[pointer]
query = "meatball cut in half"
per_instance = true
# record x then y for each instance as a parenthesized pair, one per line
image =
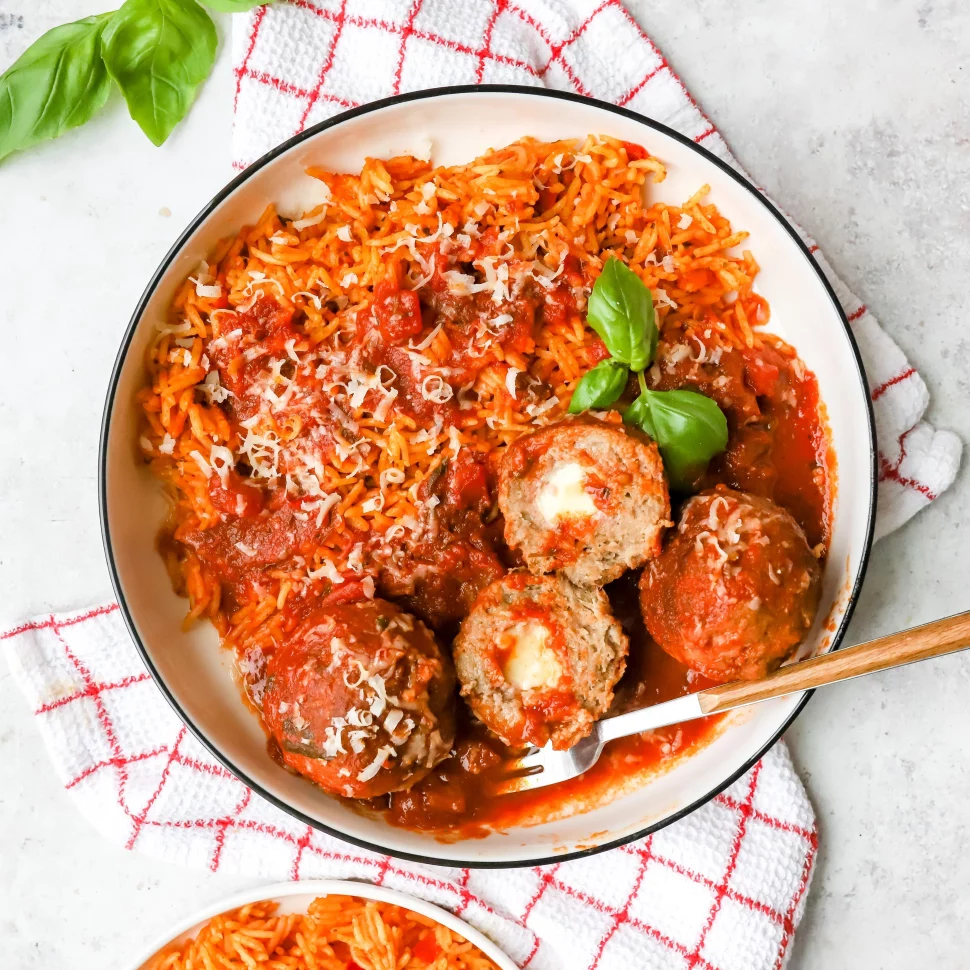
(585, 496)
(735, 589)
(361, 699)
(538, 658)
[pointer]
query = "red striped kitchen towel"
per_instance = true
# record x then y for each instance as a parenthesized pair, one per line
(722, 889)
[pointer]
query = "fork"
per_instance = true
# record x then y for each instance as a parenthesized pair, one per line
(539, 767)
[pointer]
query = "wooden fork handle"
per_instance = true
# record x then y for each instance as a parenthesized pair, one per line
(935, 639)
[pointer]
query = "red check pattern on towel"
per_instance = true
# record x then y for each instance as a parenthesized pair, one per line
(302, 61)
(720, 890)
(723, 889)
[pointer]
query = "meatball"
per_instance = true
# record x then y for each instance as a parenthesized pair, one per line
(438, 571)
(735, 589)
(585, 496)
(538, 658)
(361, 699)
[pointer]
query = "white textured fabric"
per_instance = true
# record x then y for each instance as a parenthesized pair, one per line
(723, 888)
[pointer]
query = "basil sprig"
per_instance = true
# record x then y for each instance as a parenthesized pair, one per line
(599, 387)
(688, 427)
(158, 52)
(620, 310)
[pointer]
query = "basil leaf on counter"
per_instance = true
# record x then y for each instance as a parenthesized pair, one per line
(689, 428)
(620, 310)
(58, 83)
(159, 52)
(599, 387)
(235, 6)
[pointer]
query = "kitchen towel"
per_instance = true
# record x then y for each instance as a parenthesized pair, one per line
(722, 889)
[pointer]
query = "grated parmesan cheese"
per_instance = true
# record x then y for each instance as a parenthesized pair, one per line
(437, 393)
(326, 570)
(375, 766)
(222, 461)
(510, 376)
(309, 221)
(201, 462)
(454, 440)
(375, 504)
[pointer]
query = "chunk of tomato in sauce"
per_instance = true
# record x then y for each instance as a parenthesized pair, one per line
(520, 334)
(347, 592)
(597, 352)
(397, 311)
(761, 375)
(439, 798)
(476, 757)
(635, 152)
(235, 497)
(266, 321)
(427, 949)
(697, 279)
(467, 485)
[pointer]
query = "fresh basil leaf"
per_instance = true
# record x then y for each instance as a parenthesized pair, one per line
(599, 387)
(159, 52)
(234, 6)
(620, 310)
(58, 83)
(638, 414)
(689, 428)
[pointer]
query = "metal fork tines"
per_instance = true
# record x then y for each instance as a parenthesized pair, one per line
(540, 767)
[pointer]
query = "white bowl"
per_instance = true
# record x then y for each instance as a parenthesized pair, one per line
(295, 897)
(461, 123)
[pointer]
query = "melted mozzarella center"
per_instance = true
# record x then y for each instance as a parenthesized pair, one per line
(563, 495)
(531, 663)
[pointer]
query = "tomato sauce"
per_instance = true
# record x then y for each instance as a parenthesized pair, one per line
(457, 801)
(799, 455)
(777, 448)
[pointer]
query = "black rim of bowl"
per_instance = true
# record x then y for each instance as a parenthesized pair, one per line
(418, 96)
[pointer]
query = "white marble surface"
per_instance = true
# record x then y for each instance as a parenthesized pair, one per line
(855, 115)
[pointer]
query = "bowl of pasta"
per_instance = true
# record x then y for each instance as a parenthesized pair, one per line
(461, 421)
